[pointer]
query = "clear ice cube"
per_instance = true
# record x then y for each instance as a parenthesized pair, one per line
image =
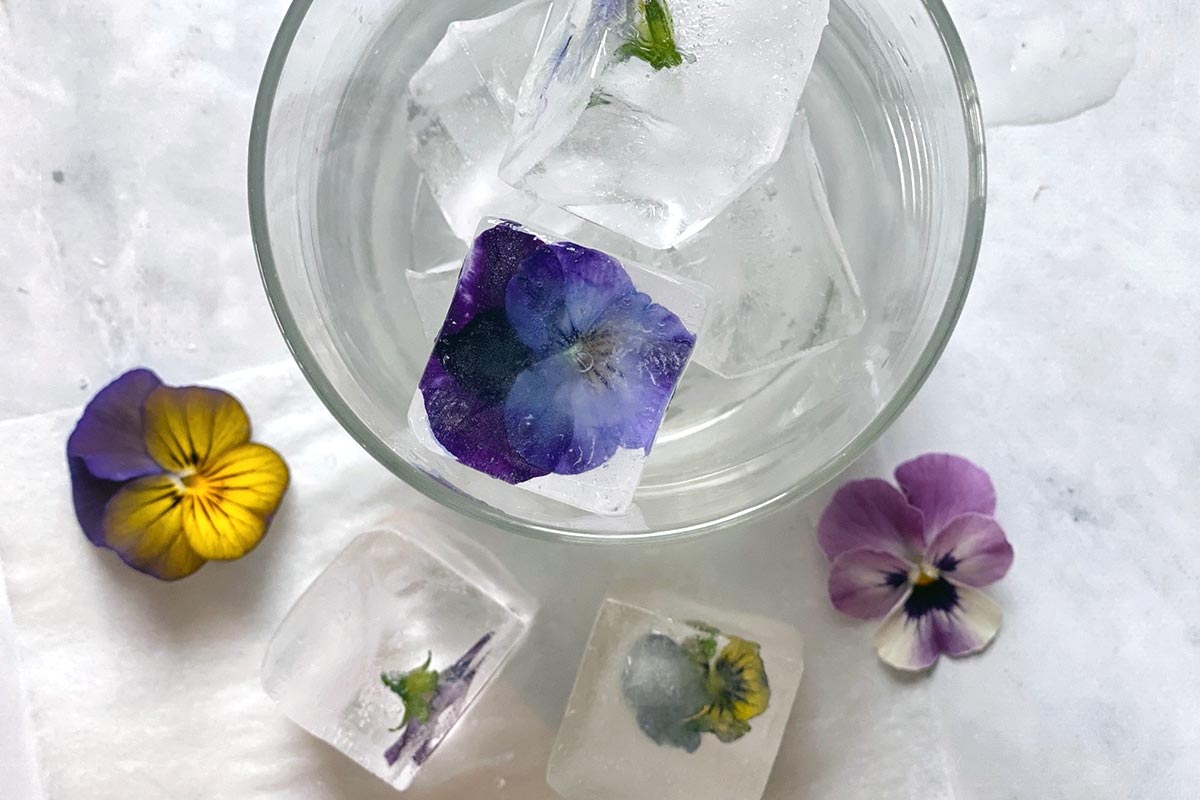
(558, 388)
(641, 723)
(782, 284)
(461, 107)
(655, 149)
(384, 605)
(432, 290)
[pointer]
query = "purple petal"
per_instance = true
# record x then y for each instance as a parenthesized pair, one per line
(561, 292)
(867, 584)
(487, 270)
(91, 495)
(108, 438)
(871, 514)
(561, 422)
(943, 486)
(971, 549)
(416, 741)
(649, 350)
(472, 427)
(914, 634)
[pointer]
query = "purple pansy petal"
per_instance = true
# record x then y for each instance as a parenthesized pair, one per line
(912, 643)
(653, 350)
(872, 514)
(536, 303)
(971, 549)
(561, 292)
(488, 268)
(868, 583)
(90, 495)
(109, 437)
(472, 428)
(944, 486)
(560, 423)
(592, 282)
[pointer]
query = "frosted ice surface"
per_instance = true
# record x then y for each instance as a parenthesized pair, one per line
(655, 150)
(382, 605)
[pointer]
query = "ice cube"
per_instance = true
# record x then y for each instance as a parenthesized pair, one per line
(555, 366)
(383, 607)
(645, 722)
(782, 284)
(432, 290)
(649, 117)
(461, 106)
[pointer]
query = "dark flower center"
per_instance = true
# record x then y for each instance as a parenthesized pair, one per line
(936, 595)
(486, 356)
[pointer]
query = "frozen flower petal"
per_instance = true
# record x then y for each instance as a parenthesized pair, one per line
(666, 688)
(143, 523)
(561, 292)
(186, 426)
(940, 617)
(867, 584)
(944, 486)
(472, 427)
(971, 549)
(872, 514)
(559, 423)
(228, 505)
(108, 437)
(489, 267)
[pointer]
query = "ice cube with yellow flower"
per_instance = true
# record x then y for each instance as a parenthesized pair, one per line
(695, 696)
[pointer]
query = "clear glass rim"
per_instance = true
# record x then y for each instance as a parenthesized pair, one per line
(329, 395)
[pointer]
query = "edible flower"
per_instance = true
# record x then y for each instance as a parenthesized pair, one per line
(679, 691)
(917, 557)
(549, 360)
(431, 697)
(168, 478)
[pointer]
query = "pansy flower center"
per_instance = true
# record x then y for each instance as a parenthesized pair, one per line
(592, 353)
(925, 574)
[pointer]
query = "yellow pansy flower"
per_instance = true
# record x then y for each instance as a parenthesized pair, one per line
(168, 478)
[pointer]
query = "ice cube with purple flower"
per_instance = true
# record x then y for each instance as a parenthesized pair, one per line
(555, 366)
(390, 646)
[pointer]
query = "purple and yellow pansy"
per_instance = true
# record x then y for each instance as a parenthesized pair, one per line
(167, 477)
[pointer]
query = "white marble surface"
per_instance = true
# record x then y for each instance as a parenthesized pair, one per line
(1073, 376)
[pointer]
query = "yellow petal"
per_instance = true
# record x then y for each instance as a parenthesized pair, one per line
(230, 501)
(143, 522)
(187, 427)
(742, 662)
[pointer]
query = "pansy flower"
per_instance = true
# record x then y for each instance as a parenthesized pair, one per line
(917, 556)
(168, 478)
(549, 360)
(680, 690)
(432, 702)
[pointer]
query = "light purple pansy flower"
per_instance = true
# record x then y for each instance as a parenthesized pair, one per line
(917, 556)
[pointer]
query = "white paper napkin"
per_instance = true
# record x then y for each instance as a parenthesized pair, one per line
(140, 689)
